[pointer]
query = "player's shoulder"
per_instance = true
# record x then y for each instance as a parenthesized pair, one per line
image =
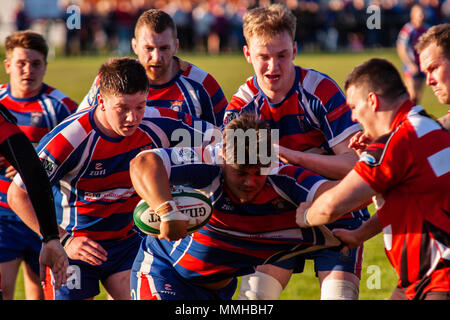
(317, 83)
(59, 96)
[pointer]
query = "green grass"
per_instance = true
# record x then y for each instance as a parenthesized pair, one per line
(74, 76)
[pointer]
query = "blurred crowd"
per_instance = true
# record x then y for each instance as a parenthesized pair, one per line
(215, 26)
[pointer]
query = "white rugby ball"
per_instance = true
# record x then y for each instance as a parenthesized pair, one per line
(189, 201)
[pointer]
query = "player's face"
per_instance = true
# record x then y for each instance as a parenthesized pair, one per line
(272, 61)
(26, 69)
(244, 184)
(120, 115)
(437, 69)
(357, 101)
(155, 52)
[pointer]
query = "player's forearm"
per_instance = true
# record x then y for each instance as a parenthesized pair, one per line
(20, 203)
(329, 166)
(150, 179)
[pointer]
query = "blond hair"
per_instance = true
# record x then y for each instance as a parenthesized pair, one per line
(439, 35)
(269, 21)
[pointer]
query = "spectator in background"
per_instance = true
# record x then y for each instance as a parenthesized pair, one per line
(22, 19)
(203, 20)
(407, 39)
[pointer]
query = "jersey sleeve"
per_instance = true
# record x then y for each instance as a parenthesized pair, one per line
(240, 102)
(169, 128)
(404, 35)
(296, 183)
(191, 167)
(91, 97)
(385, 162)
(330, 108)
(214, 109)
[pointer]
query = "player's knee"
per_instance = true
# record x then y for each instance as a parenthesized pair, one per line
(334, 289)
(259, 286)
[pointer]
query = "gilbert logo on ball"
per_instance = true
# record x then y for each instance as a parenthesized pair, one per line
(189, 201)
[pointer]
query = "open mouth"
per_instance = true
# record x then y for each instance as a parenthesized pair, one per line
(272, 77)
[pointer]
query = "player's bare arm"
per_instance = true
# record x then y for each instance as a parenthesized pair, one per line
(351, 193)
(331, 166)
(150, 180)
(354, 238)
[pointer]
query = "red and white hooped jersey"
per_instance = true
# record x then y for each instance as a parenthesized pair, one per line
(410, 168)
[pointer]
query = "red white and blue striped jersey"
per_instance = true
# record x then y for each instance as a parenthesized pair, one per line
(409, 36)
(410, 169)
(314, 112)
(89, 171)
(192, 91)
(36, 116)
(238, 236)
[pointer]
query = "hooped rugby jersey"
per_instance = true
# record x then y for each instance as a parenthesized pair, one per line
(314, 112)
(192, 91)
(238, 236)
(36, 117)
(89, 171)
(410, 168)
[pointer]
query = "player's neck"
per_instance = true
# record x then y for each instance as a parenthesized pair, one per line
(24, 94)
(169, 75)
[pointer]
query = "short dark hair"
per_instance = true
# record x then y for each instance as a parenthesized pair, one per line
(123, 76)
(378, 76)
(440, 35)
(157, 20)
(26, 39)
(233, 142)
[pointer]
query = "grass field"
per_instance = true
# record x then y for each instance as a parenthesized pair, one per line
(74, 76)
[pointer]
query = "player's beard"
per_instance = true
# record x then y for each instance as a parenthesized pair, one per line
(155, 74)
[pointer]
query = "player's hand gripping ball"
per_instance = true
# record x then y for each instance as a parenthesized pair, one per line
(189, 201)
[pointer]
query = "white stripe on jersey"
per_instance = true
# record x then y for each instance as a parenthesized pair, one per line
(440, 162)
(192, 94)
(312, 80)
(159, 132)
(422, 125)
(438, 252)
(74, 133)
(184, 252)
(245, 93)
(48, 106)
(344, 134)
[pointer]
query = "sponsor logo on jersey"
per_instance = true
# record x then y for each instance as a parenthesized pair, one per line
(176, 105)
(368, 159)
(36, 118)
(98, 170)
(49, 166)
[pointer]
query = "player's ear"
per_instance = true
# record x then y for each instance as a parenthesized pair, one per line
(7, 65)
(373, 100)
(246, 50)
(294, 51)
(100, 101)
(134, 45)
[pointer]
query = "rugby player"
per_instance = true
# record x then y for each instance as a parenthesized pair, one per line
(406, 168)
(17, 150)
(252, 221)
(87, 160)
(407, 39)
(38, 108)
(434, 55)
(309, 110)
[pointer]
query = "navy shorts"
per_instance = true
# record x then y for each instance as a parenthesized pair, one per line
(84, 279)
(154, 278)
(19, 241)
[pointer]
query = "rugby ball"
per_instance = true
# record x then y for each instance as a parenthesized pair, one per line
(189, 201)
